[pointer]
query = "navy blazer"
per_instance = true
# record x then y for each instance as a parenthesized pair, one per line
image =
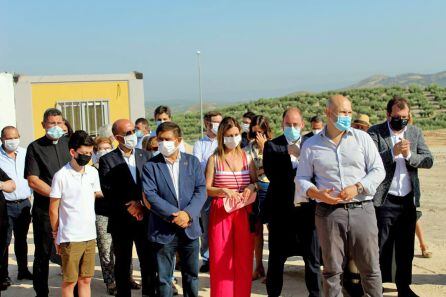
(160, 192)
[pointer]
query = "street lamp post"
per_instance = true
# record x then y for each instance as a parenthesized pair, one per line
(200, 91)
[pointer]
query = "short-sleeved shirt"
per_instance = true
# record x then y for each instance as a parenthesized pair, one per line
(14, 168)
(3, 177)
(76, 191)
(44, 158)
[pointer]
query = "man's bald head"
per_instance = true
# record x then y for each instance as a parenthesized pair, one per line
(337, 105)
(292, 117)
(9, 132)
(122, 126)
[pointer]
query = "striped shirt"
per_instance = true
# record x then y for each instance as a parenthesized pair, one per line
(224, 177)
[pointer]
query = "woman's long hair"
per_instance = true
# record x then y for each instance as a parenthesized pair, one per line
(225, 125)
(263, 123)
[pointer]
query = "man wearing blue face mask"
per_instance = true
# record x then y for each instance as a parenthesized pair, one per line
(340, 168)
(44, 157)
(291, 228)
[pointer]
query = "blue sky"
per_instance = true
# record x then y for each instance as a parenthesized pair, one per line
(250, 49)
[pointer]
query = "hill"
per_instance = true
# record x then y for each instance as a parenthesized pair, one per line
(402, 80)
(428, 106)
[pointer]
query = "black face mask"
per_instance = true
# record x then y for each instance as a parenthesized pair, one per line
(398, 124)
(82, 160)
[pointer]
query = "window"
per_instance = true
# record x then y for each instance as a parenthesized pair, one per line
(87, 115)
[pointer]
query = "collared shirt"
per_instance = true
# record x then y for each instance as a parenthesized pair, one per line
(43, 159)
(15, 168)
(76, 191)
(174, 170)
(131, 163)
(355, 159)
(294, 159)
(203, 149)
(401, 184)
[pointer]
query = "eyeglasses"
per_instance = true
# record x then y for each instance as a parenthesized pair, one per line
(131, 132)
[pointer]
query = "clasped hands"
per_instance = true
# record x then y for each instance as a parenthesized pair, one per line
(346, 195)
(239, 197)
(402, 147)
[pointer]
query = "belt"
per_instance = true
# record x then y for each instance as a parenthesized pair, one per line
(16, 201)
(350, 205)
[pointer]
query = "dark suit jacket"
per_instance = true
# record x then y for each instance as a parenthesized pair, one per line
(119, 187)
(279, 170)
(160, 192)
(421, 157)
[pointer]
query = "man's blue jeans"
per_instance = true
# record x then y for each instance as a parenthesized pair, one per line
(188, 250)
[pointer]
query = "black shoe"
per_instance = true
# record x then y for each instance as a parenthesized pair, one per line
(407, 293)
(6, 282)
(134, 285)
(111, 289)
(26, 275)
(204, 267)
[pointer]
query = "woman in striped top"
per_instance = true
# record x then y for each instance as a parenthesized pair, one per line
(230, 175)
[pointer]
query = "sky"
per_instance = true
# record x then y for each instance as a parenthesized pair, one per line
(249, 49)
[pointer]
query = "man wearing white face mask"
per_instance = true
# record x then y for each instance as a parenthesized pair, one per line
(44, 157)
(120, 173)
(317, 124)
(12, 162)
(175, 191)
(203, 149)
(246, 121)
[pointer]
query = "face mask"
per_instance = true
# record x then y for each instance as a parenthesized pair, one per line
(292, 134)
(82, 160)
(232, 142)
(11, 144)
(398, 124)
(167, 148)
(102, 153)
(55, 132)
(139, 134)
(130, 141)
(245, 127)
(215, 128)
(155, 153)
(159, 123)
(343, 123)
(316, 131)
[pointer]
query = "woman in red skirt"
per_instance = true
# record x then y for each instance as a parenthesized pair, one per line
(230, 175)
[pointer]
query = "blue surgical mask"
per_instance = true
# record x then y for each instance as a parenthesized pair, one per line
(292, 134)
(343, 123)
(139, 133)
(55, 132)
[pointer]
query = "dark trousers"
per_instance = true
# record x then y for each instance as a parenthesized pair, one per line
(123, 240)
(188, 250)
(305, 233)
(3, 235)
(19, 218)
(396, 223)
(43, 242)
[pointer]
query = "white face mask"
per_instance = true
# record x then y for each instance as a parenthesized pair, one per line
(232, 142)
(130, 141)
(167, 148)
(245, 127)
(11, 145)
(316, 131)
(215, 128)
(102, 152)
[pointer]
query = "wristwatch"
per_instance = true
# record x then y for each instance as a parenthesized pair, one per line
(359, 188)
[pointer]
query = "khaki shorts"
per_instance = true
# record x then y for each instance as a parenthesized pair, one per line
(77, 260)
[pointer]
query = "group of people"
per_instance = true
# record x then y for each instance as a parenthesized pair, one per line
(342, 197)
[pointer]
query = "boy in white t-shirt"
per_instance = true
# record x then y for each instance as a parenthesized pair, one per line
(74, 189)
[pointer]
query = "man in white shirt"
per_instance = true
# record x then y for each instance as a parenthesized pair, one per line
(12, 162)
(203, 149)
(403, 151)
(72, 215)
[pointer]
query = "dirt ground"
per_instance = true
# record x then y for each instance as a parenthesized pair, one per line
(429, 275)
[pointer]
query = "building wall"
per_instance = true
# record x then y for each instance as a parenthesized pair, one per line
(46, 95)
(7, 114)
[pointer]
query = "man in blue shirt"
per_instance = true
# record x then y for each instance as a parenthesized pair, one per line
(203, 149)
(18, 204)
(341, 169)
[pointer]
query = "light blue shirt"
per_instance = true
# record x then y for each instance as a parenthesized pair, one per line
(14, 168)
(355, 159)
(203, 149)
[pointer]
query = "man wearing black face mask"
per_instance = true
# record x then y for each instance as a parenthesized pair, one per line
(403, 151)
(72, 216)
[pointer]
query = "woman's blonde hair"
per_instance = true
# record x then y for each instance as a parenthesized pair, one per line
(225, 125)
(100, 139)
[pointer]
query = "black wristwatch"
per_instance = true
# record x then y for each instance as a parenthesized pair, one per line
(359, 188)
